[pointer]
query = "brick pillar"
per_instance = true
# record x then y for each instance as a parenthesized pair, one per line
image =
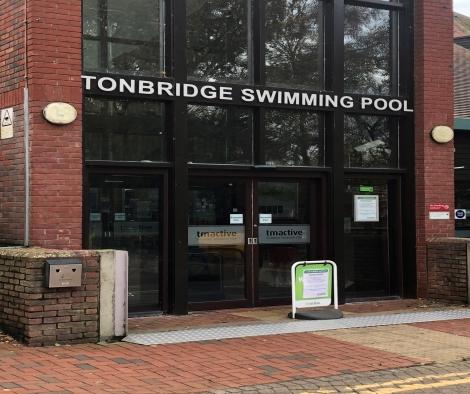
(54, 70)
(434, 163)
(12, 76)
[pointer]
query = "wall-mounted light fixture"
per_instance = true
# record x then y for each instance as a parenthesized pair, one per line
(442, 134)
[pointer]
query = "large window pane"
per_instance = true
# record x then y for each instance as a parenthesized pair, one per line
(217, 40)
(220, 135)
(367, 46)
(124, 36)
(293, 138)
(370, 141)
(124, 130)
(293, 43)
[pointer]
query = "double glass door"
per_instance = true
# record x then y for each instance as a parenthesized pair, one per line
(244, 235)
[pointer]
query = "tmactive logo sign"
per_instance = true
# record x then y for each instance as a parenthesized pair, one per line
(284, 234)
(165, 89)
(216, 235)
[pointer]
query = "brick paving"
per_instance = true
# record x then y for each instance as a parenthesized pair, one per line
(456, 327)
(418, 379)
(186, 368)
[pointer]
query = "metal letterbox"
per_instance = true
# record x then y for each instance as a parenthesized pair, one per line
(63, 273)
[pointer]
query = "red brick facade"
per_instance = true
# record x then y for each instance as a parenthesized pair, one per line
(12, 73)
(434, 163)
(53, 71)
(42, 316)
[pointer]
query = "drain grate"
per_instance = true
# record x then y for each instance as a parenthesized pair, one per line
(295, 326)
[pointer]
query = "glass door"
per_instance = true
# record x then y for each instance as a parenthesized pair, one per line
(125, 213)
(244, 234)
(217, 231)
(371, 227)
(282, 217)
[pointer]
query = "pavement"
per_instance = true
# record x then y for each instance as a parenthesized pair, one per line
(430, 357)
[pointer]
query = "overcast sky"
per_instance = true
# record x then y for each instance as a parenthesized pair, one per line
(462, 6)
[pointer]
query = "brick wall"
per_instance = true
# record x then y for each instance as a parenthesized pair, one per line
(448, 260)
(12, 72)
(434, 163)
(54, 69)
(40, 316)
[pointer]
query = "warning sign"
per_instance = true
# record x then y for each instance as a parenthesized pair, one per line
(6, 123)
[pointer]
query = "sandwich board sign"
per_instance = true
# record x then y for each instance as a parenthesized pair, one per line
(314, 284)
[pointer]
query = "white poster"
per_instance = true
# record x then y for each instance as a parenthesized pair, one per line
(366, 208)
(236, 218)
(6, 123)
(265, 218)
(316, 284)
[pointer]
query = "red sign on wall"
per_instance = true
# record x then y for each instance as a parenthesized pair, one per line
(439, 207)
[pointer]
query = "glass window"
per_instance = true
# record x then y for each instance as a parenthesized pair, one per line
(370, 141)
(124, 37)
(216, 245)
(220, 135)
(367, 46)
(217, 40)
(124, 130)
(293, 43)
(293, 138)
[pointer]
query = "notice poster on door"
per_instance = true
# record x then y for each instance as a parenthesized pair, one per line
(316, 283)
(366, 208)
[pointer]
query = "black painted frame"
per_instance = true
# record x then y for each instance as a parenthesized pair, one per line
(179, 169)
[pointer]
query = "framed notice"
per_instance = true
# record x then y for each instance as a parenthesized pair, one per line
(366, 208)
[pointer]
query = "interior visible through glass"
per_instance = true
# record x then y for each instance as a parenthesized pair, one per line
(125, 214)
(366, 238)
(284, 234)
(216, 240)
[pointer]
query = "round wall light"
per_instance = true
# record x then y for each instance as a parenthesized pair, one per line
(60, 113)
(442, 134)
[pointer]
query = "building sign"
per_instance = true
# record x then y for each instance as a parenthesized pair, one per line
(366, 208)
(284, 234)
(216, 235)
(439, 211)
(6, 123)
(168, 89)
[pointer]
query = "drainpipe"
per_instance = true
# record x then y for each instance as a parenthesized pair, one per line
(26, 131)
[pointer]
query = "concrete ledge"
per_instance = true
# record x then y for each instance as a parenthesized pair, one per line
(40, 316)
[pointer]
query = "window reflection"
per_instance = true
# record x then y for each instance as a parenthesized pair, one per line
(124, 130)
(370, 142)
(217, 40)
(220, 135)
(293, 43)
(293, 138)
(124, 37)
(367, 46)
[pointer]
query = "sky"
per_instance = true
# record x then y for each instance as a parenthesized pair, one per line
(462, 7)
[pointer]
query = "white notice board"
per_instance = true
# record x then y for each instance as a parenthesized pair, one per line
(366, 208)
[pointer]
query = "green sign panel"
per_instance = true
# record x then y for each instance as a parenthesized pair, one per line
(366, 189)
(313, 285)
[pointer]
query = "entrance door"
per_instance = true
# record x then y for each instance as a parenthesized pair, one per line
(372, 238)
(243, 237)
(125, 213)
